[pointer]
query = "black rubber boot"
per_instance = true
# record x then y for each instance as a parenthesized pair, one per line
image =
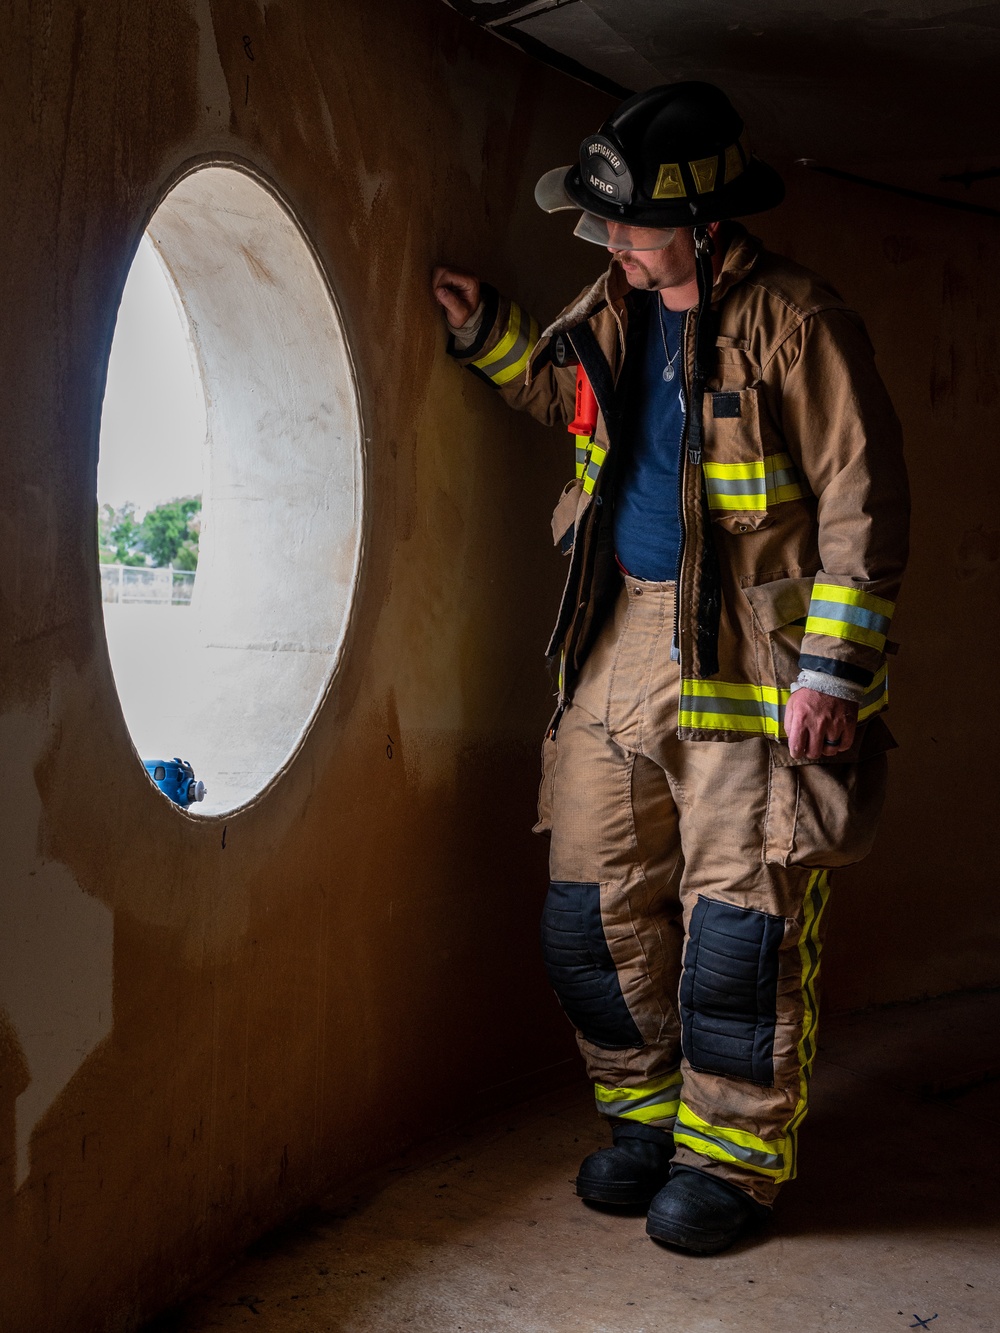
(630, 1173)
(700, 1213)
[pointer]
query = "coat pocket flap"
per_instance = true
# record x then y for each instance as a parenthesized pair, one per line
(780, 602)
(564, 514)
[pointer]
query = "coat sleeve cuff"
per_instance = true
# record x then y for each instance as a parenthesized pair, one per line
(834, 686)
(490, 303)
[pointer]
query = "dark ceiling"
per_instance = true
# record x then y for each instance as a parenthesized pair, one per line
(909, 92)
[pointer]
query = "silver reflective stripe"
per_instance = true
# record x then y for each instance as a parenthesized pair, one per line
(852, 615)
(786, 477)
(521, 344)
(707, 703)
(735, 486)
(668, 1098)
(752, 1157)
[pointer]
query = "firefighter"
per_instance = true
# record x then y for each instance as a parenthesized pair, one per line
(735, 533)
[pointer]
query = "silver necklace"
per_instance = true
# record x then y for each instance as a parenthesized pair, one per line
(668, 369)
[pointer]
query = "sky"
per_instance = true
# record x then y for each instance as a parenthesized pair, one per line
(153, 423)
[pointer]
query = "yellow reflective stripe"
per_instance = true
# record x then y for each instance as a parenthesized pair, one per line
(849, 613)
(756, 709)
(748, 504)
(730, 689)
(835, 592)
(595, 457)
(817, 896)
(762, 726)
(793, 490)
(653, 1103)
(512, 372)
(766, 1157)
(775, 1158)
(519, 340)
(721, 705)
(506, 342)
(722, 482)
(876, 697)
(760, 467)
(656, 1114)
(843, 629)
(734, 471)
(582, 450)
(606, 1094)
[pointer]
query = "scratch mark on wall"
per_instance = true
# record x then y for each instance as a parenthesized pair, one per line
(213, 90)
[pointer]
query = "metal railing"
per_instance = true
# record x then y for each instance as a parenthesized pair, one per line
(137, 583)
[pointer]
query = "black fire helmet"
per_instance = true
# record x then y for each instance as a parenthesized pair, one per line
(673, 156)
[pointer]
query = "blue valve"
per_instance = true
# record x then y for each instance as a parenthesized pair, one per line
(176, 779)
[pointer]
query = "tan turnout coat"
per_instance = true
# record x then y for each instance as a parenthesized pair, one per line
(801, 488)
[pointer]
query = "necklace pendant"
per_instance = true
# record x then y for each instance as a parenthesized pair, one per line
(668, 372)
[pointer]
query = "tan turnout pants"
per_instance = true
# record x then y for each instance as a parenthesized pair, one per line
(684, 919)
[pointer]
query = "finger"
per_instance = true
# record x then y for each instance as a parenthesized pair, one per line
(462, 283)
(458, 311)
(848, 730)
(797, 739)
(837, 737)
(815, 748)
(793, 728)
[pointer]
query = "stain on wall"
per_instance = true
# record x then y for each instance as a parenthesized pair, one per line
(205, 1023)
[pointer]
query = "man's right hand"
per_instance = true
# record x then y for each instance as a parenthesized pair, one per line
(458, 292)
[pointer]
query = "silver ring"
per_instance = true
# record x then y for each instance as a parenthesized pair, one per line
(828, 741)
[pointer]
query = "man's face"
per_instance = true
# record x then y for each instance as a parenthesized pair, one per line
(673, 265)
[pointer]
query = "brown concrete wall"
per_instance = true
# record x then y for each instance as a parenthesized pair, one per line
(199, 1033)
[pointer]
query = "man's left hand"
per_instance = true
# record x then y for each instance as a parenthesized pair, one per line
(819, 725)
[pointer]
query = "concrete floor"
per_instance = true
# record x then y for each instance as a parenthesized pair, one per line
(893, 1224)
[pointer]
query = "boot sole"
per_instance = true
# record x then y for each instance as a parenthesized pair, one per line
(625, 1195)
(693, 1242)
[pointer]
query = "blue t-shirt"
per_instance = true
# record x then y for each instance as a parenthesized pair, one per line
(647, 521)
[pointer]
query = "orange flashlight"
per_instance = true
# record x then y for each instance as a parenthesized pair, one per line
(585, 421)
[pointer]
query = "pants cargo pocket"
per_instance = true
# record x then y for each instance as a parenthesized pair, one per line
(838, 811)
(823, 814)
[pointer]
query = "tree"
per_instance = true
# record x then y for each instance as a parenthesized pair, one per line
(118, 535)
(169, 533)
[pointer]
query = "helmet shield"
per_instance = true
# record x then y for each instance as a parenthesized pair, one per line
(550, 192)
(620, 235)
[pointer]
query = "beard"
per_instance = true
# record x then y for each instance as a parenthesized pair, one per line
(640, 278)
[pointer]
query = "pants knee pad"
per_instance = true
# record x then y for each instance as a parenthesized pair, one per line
(729, 991)
(581, 969)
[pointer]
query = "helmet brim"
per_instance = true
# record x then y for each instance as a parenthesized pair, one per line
(756, 189)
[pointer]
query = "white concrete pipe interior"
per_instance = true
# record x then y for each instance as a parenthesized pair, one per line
(231, 683)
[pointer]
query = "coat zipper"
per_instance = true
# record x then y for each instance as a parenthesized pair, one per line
(675, 647)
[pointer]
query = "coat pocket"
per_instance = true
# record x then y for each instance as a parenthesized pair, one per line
(746, 471)
(779, 608)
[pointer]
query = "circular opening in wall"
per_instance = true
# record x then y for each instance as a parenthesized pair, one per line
(229, 490)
